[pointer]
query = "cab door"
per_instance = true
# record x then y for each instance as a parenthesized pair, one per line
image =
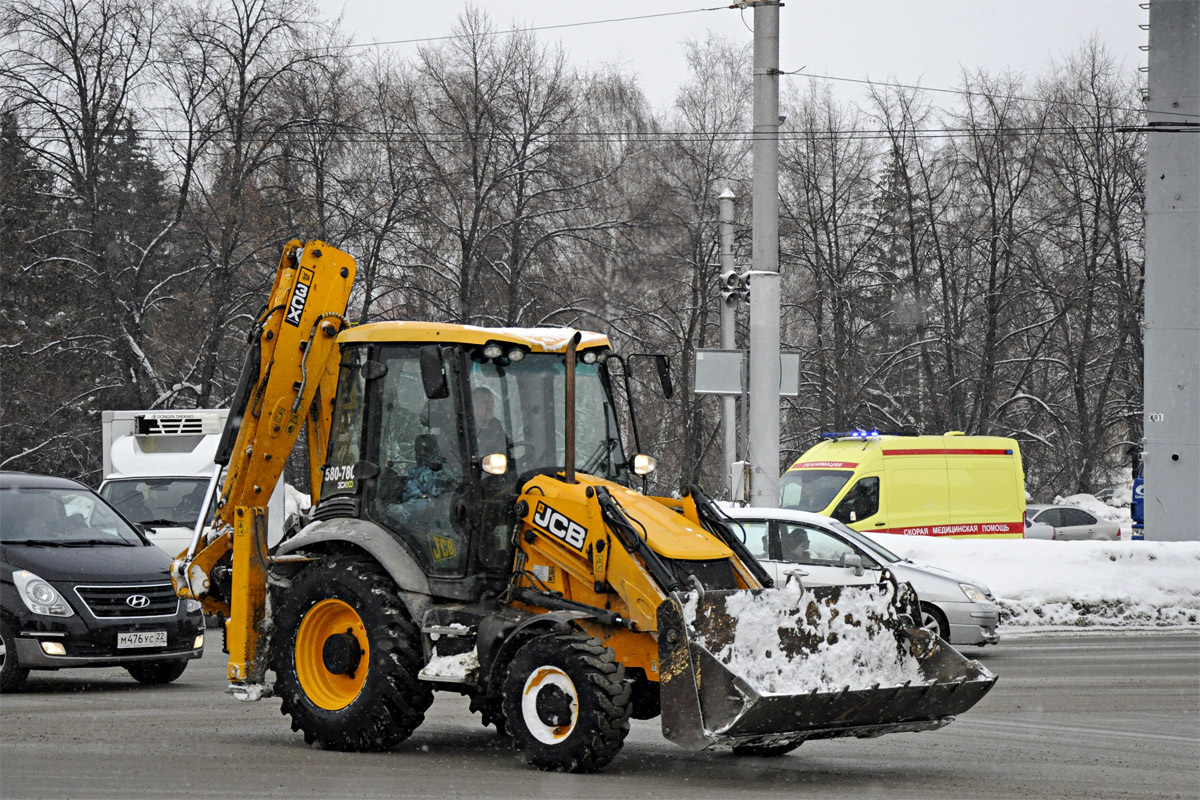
(414, 481)
(861, 507)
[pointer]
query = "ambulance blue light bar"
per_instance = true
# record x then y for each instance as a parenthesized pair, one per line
(850, 434)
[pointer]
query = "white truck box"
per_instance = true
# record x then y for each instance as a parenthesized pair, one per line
(157, 465)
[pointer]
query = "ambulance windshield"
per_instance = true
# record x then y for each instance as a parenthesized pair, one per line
(811, 489)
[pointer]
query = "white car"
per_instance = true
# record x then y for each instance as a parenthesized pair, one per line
(1067, 524)
(824, 552)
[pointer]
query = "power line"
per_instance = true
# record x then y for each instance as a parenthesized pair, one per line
(345, 134)
(560, 26)
(968, 93)
(799, 73)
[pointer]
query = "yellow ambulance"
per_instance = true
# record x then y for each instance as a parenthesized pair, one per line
(969, 487)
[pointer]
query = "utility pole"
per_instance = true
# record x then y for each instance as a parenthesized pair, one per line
(764, 276)
(729, 303)
(1171, 425)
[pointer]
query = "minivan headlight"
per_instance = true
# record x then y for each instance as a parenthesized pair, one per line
(39, 596)
(973, 593)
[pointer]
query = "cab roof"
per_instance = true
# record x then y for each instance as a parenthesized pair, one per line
(536, 340)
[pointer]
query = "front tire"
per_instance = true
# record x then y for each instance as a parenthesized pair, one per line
(12, 675)
(566, 703)
(346, 657)
(765, 750)
(156, 672)
(934, 621)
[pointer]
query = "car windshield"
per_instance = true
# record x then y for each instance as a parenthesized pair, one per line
(157, 501)
(811, 489)
(865, 541)
(62, 517)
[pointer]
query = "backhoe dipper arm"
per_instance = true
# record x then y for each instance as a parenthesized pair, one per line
(292, 345)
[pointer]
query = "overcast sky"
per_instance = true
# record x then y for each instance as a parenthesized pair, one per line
(909, 41)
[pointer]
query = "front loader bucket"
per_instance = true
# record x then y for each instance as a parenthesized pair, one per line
(777, 666)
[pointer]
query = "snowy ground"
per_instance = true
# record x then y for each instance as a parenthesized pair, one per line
(1057, 586)
(1046, 586)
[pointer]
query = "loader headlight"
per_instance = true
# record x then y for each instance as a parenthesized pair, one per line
(516, 354)
(644, 464)
(588, 357)
(495, 464)
(39, 596)
(492, 350)
(973, 593)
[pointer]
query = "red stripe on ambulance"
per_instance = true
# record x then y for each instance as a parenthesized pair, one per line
(824, 465)
(962, 529)
(945, 452)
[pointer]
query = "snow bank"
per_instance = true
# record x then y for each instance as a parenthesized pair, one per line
(852, 648)
(1053, 585)
(296, 505)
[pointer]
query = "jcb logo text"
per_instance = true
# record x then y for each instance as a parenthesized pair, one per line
(559, 525)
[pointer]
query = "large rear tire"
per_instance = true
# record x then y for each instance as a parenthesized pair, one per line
(12, 675)
(346, 657)
(566, 703)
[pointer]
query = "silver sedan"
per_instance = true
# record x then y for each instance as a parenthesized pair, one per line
(824, 552)
(1067, 524)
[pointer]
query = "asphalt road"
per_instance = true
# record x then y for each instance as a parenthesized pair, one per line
(1113, 716)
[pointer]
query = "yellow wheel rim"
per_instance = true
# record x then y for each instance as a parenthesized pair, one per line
(329, 690)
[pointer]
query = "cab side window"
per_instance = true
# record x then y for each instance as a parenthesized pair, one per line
(860, 502)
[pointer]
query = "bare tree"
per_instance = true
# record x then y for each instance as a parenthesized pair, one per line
(75, 72)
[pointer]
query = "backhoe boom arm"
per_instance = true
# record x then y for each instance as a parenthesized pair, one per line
(287, 380)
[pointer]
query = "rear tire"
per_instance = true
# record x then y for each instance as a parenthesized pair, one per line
(156, 672)
(934, 621)
(765, 750)
(346, 657)
(12, 675)
(566, 703)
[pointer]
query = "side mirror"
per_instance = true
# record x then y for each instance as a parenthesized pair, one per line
(433, 373)
(853, 561)
(664, 375)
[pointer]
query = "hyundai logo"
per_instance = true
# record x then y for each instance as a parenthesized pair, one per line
(137, 601)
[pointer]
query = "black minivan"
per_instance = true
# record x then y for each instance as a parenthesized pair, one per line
(80, 586)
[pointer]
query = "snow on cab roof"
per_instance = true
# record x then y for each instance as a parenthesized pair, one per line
(546, 340)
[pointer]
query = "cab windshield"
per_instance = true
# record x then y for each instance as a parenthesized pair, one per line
(811, 489)
(521, 406)
(62, 518)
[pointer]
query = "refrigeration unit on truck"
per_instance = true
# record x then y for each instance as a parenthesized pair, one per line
(157, 466)
(968, 487)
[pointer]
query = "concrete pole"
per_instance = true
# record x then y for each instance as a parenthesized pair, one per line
(764, 276)
(1172, 340)
(728, 329)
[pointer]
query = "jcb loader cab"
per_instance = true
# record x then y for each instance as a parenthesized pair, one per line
(476, 530)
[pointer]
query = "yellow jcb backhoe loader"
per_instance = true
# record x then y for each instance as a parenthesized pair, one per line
(475, 530)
